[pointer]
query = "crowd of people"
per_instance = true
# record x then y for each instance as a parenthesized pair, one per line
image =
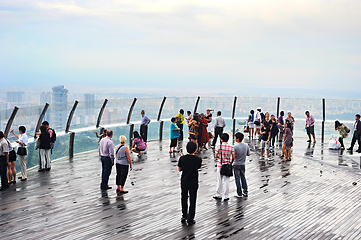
(230, 159)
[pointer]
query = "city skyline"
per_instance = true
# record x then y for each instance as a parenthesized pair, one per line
(181, 44)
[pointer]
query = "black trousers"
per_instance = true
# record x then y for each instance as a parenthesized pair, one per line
(3, 172)
(122, 173)
(144, 132)
(181, 131)
(217, 132)
(273, 139)
(340, 139)
(355, 138)
(191, 191)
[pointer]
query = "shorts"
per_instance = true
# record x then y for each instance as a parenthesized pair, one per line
(250, 125)
(12, 156)
(266, 145)
(173, 142)
(257, 127)
(288, 142)
(139, 150)
(311, 130)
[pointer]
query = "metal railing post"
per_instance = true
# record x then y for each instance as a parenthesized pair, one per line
(41, 117)
(233, 119)
(131, 110)
(71, 144)
(10, 122)
(131, 126)
(196, 105)
(131, 129)
(70, 117)
(101, 113)
(72, 134)
(161, 123)
(278, 107)
(323, 119)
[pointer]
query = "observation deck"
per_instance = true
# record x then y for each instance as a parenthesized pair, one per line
(311, 197)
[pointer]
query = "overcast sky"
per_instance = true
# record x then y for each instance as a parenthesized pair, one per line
(195, 44)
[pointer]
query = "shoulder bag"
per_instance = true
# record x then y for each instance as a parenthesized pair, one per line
(22, 151)
(226, 169)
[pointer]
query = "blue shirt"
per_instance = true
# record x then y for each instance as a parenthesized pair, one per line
(173, 133)
(145, 120)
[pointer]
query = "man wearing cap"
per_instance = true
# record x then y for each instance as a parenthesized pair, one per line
(257, 121)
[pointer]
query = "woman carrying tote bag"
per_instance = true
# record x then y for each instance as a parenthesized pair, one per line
(22, 150)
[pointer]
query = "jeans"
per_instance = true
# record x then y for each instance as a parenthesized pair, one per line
(106, 170)
(45, 158)
(240, 179)
(191, 191)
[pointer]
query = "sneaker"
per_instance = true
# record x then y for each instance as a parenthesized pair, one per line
(245, 194)
(237, 196)
(267, 159)
(191, 222)
(349, 149)
(260, 158)
(217, 198)
(226, 199)
(183, 219)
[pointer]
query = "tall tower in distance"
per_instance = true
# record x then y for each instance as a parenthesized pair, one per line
(89, 104)
(14, 98)
(59, 107)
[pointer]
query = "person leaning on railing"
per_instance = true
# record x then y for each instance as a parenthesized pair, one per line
(144, 126)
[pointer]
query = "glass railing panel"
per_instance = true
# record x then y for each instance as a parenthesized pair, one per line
(149, 105)
(246, 104)
(342, 109)
(85, 115)
(116, 111)
(174, 104)
(223, 104)
(298, 107)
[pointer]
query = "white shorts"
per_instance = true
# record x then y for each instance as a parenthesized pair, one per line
(209, 128)
(266, 145)
(257, 127)
(250, 125)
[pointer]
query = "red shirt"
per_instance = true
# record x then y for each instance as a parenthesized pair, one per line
(227, 151)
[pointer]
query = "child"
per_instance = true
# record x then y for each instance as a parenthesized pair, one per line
(174, 135)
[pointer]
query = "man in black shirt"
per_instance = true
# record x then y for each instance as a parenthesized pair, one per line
(189, 165)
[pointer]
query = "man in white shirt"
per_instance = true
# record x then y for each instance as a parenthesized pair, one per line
(257, 121)
(106, 149)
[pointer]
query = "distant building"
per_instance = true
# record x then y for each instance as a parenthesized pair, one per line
(89, 104)
(45, 97)
(14, 97)
(59, 107)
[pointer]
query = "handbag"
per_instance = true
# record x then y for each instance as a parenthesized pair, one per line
(22, 151)
(257, 123)
(226, 169)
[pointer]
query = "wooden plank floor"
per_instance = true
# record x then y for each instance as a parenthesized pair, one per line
(310, 198)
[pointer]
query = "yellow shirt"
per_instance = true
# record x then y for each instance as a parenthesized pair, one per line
(181, 116)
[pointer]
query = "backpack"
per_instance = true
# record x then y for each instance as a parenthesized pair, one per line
(263, 117)
(347, 129)
(53, 136)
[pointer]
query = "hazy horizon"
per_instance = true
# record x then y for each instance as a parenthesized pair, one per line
(283, 48)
